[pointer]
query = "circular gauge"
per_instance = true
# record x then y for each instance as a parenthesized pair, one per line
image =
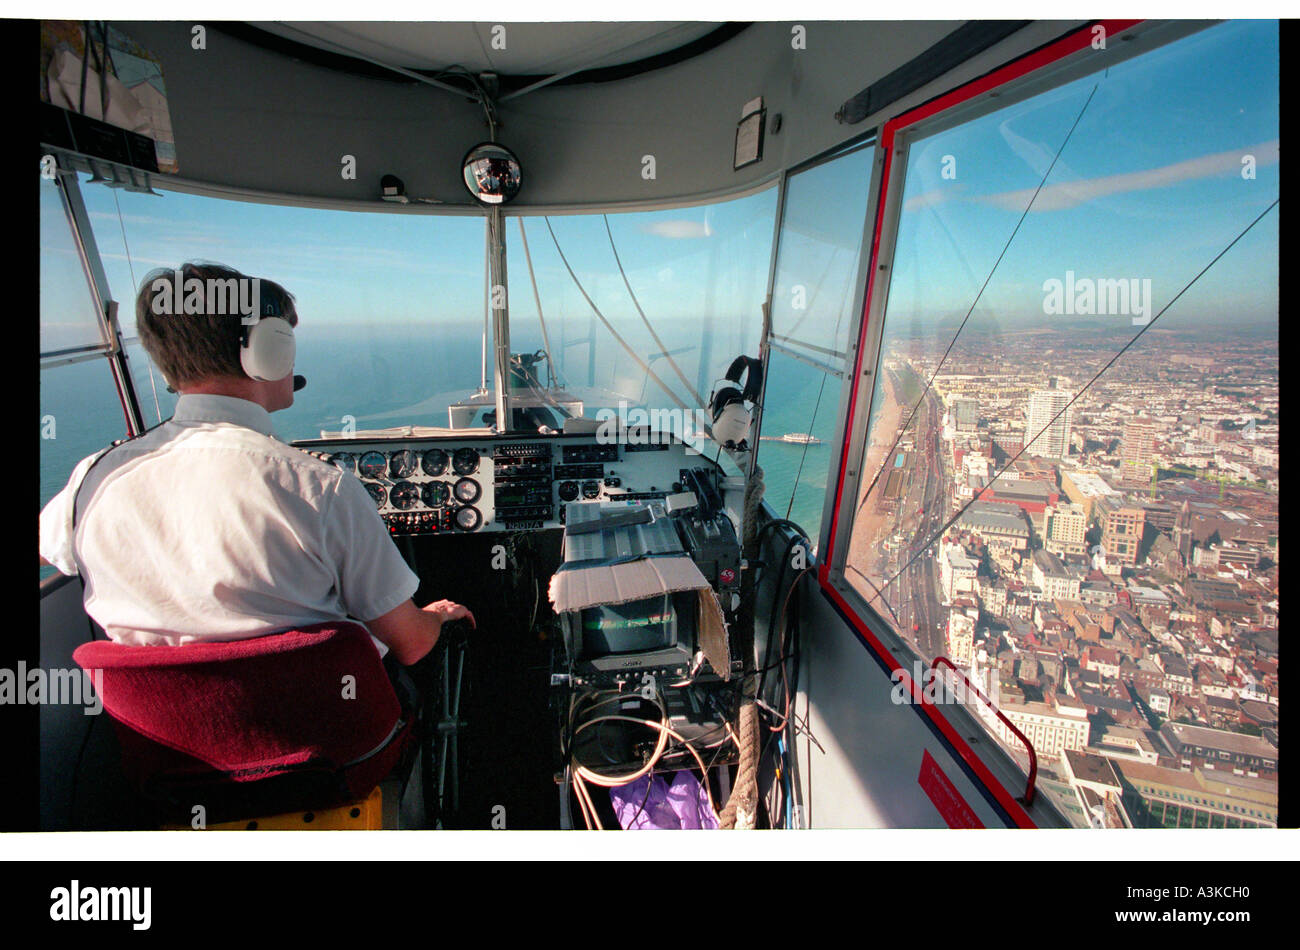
(467, 519)
(568, 491)
(402, 464)
(466, 491)
(434, 462)
(434, 494)
(346, 461)
(404, 495)
(372, 465)
(378, 492)
(591, 489)
(465, 461)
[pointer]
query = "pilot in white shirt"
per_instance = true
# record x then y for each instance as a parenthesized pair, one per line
(207, 528)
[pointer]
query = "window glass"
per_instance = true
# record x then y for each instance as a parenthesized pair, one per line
(1100, 516)
(68, 317)
(80, 414)
(390, 306)
(80, 409)
(699, 277)
(814, 302)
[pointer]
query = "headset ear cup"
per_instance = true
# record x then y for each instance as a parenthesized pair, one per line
(731, 427)
(270, 351)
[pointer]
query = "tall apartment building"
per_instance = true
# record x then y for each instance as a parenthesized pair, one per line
(1121, 534)
(1044, 404)
(1086, 489)
(1050, 576)
(957, 572)
(1137, 449)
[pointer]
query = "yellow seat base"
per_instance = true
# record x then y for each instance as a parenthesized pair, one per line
(364, 815)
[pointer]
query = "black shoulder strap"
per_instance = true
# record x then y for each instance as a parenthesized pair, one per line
(102, 455)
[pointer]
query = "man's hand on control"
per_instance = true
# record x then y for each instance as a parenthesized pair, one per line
(447, 610)
(411, 632)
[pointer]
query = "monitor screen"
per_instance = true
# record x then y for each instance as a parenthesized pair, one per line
(640, 626)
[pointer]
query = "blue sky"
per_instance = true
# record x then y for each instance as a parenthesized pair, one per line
(1148, 186)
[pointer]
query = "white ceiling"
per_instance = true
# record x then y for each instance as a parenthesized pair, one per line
(530, 48)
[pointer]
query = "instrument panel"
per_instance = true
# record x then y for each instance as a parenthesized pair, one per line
(446, 485)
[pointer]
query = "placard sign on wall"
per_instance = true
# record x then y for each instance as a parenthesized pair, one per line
(749, 133)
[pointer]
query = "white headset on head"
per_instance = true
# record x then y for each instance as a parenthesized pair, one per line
(267, 347)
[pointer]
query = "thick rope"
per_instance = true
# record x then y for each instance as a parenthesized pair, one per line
(741, 811)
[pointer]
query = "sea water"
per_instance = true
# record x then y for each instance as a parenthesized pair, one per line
(406, 375)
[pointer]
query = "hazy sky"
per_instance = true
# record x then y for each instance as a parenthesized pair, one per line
(1149, 187)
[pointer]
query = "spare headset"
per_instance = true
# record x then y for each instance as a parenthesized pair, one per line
(731, 420)
(267, 347)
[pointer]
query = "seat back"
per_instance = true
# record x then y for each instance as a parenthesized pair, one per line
(306, 718)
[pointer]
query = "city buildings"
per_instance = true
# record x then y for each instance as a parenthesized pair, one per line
(1117, 580)
(1067, 527)
(1047, 414)
(1121, 536)
(1137, 449)
(1160, 797)
(1052, 727)
(965, 414)
(1219, 749)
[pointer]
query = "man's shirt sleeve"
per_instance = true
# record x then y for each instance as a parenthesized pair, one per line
(57, 532)
(373, 577)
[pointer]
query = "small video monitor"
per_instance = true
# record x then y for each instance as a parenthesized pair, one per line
(641, 634)
(629, 628)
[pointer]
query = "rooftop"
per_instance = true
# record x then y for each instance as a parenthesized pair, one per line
(995, 516)
(1207, 738)
(1092, 768)
(1261, 790)
(1028, 489)
(1089, 483)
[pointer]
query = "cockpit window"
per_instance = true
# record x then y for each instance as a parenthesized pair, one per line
(1077, 375)
(390, 306)
(641, 310)
(815, 301)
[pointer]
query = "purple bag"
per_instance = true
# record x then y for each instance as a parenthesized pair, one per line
(683, 804)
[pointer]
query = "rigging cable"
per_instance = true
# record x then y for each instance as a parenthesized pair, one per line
(148, 362)
(622, 342)
(953, 520)
(546, 339)
(699, 400)
(953, 342)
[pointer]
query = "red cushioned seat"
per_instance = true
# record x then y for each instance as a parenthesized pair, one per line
(297, 720)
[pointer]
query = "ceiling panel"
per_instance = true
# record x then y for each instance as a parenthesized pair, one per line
(529, 48)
